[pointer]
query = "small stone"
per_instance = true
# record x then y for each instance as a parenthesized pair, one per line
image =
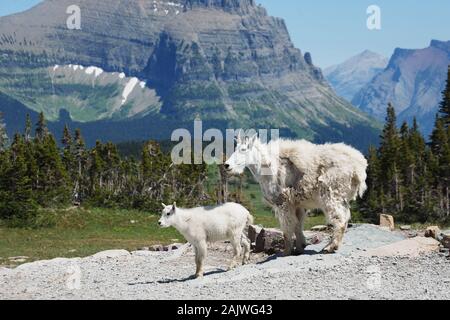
(387, 221)
(144, 249)
(174, 246)
(412, 234)
(316, 239)
(405, 228)
(432, 232)
(19, 259)
(157, 248)
(319, 228)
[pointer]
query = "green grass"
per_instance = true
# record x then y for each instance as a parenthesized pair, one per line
(83, 232)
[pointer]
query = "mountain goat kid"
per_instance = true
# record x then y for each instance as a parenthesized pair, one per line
(204, 225)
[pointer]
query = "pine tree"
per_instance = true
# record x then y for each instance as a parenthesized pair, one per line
(3, 134)
(389, 161)
(16, 193)
(444, 107)
(28, 128)
(41, 128)
(53, 187)
(81, 187)
(439, 137)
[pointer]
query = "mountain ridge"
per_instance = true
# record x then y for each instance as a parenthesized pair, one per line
(225, 60)
(413, 82)
(350, 76)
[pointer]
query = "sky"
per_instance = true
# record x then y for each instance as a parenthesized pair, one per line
(333, 31)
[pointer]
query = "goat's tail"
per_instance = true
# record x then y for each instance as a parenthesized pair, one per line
(250, 220)
(359, 182)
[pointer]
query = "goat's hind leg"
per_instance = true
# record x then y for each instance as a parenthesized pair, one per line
(339, 216)
(245, 242)
(237, 249)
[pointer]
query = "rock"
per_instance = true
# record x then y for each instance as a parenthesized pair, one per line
(174, 246)
(19, 259)
(405, 228)
(253, 232)
(432, 232)
(409, 247)
(316, 239)
(446, 240)
(412, 234)
(157, 247)
(319, 228)
(144, 249)
(111, 254)
(269, 241)
(387, 221)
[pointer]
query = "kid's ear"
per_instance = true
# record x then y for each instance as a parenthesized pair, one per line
(164, 206)
(174, 205)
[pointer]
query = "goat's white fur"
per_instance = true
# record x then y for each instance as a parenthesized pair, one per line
(304, 176)
(204, 225)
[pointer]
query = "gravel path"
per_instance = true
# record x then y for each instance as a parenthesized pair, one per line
(350, 274)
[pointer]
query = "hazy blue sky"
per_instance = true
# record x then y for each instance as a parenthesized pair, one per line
(335, 30)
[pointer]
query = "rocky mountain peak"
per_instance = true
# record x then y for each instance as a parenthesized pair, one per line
(235, 6)
(226, 60)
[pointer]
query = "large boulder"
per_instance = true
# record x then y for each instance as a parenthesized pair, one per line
(409, 247)
(269, 241)
(446, 239)
(253, 232)
(387, 221)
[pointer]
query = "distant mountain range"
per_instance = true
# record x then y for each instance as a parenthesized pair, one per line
(139, 69)
(349, 77)
(412, 81)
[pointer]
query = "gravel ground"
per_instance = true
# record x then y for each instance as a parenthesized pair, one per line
(150, 275)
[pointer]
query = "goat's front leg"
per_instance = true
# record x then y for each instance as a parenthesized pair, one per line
(300, 243)
(200, 255)
(288, 222)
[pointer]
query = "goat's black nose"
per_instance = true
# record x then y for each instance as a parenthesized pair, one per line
(227, 166)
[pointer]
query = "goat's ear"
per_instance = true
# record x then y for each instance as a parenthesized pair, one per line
(174, 205)
(164, 206)
(240, 136)
(252, 140)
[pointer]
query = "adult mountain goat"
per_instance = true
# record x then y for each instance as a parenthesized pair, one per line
(296, 176)
(204, 225)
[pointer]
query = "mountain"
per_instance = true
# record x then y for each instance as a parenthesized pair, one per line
(349, 77)
(225, 61)
(412, 81)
